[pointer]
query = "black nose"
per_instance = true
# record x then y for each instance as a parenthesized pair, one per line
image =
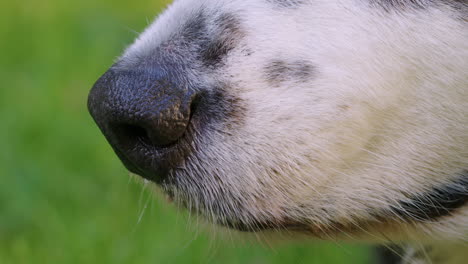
(144, 116)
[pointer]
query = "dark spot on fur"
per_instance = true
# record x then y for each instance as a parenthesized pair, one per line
(227, 36)
(208, 40)
(195, 29)
(215, 52)
(228, 24)
(202, 40)
(287, 3)
(225, 106)
(438, 202)
(279, 71)
(391, 5)
(461, 6)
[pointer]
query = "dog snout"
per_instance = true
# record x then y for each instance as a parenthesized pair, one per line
(143, 115)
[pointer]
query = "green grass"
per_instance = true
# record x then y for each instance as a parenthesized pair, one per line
(64, 196)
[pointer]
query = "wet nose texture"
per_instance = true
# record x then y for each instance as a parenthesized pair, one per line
(143, 116)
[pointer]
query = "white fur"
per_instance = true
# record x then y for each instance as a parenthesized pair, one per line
(385, 114)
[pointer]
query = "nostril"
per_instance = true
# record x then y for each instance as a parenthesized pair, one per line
(157, 136)
(135, 133)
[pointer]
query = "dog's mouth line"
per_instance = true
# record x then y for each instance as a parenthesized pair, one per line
(428, 207)
(440, 201)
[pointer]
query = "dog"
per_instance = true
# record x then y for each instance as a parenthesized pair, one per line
(326, 118)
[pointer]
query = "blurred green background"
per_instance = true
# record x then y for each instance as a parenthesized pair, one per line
(64, 196)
